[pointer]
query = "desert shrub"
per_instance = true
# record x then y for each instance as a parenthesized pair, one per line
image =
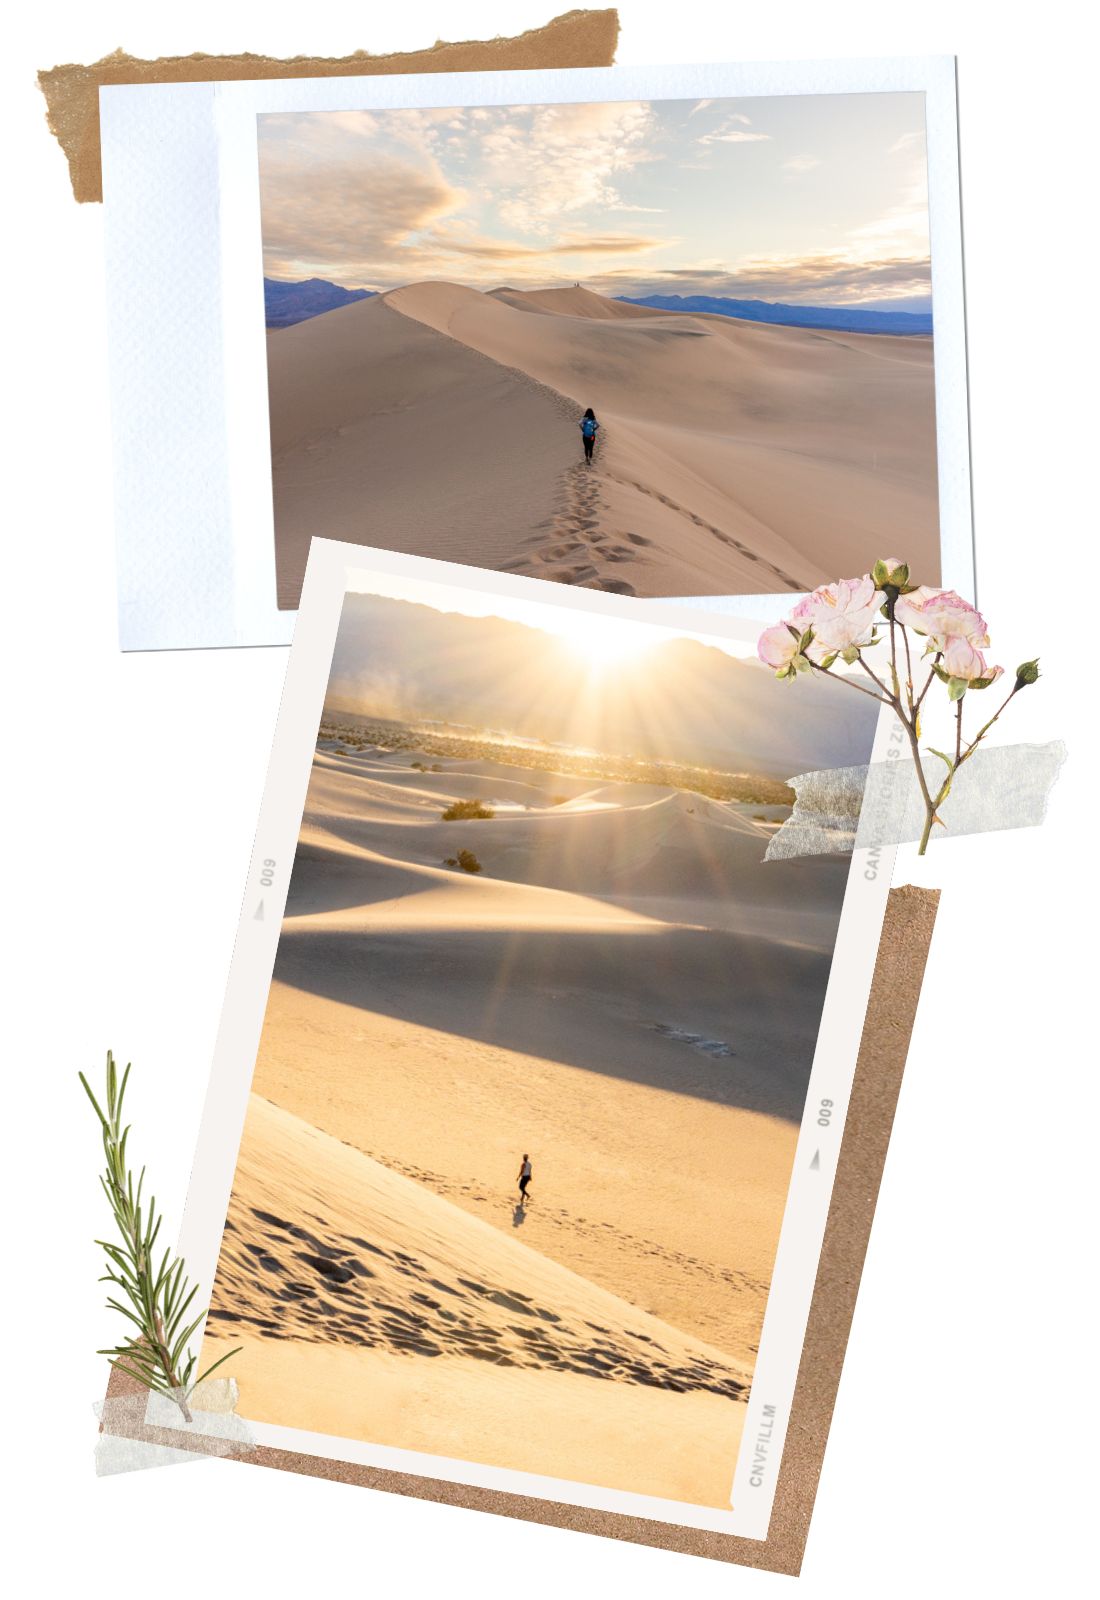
(558, 799)
(464, 859)
(418, 766)
(466, 810)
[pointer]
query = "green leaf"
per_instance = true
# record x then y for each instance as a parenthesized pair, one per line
(92, 1098)
(217, 1364)
(949, 759)
(956, 688)
(981, 683)
(177, 1349)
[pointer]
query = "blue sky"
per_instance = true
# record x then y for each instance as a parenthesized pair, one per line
(813, 199)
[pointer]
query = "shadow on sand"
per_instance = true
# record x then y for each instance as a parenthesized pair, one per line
(721, 1016)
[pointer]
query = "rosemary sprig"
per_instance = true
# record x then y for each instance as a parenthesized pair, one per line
(159, 1298)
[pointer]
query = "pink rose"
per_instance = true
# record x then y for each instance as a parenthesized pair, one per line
(942, 615)
(841, 614)
(777, 647)
(962, 660)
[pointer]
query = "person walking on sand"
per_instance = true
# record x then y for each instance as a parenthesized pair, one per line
(524, 1177)
(589, 429)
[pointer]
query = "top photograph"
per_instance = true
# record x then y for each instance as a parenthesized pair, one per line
(669, 333)
(660, 348)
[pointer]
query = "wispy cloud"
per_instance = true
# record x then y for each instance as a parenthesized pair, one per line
(734, 128)
(797, 165)
(828, 278)
(608, 244)
(351, 216)
(559, 160)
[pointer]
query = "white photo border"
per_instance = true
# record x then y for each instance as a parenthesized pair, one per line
(193, 495)
(330, 574)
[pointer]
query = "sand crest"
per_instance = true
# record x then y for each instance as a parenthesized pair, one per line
(734, 457)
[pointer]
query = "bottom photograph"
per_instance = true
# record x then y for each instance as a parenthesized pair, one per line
(539, 1032)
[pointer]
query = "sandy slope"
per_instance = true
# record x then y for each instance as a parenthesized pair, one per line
(372, 1309)
(734, 457)
(624, 992)
(386, 433)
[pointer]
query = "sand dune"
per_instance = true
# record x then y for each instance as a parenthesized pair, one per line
(384, 432)
(636, 838)
(370, 1308)
(575, 302)
(735, 457)
(624, 990)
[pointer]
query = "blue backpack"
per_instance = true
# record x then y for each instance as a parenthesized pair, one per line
(588, 427)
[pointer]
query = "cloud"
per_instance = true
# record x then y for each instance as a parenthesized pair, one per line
(796, 165)
(548, 162)
(731, 130)
(735, 136)
(908, 141)
(345, 217)
(829, 278)
(572, 245)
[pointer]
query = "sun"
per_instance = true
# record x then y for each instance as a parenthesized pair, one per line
(604, 641)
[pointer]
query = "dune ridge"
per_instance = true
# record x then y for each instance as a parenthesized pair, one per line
(735, 457)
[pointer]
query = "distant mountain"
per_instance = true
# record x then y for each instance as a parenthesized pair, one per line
(678, 701)
(287, 303)
(841, 319)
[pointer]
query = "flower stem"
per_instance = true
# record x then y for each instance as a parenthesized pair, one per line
(929, 804)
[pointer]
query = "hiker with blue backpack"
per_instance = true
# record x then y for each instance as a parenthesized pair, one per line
(589, 429)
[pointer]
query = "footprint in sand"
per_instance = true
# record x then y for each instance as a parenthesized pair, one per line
(258, 1287)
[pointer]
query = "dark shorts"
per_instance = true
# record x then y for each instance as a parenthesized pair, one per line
(523, 1182)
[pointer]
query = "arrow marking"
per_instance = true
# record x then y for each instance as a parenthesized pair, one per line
(815, 1164)
(258, 914)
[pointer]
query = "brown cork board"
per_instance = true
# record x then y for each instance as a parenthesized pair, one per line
(891, 1010)
(575, 39)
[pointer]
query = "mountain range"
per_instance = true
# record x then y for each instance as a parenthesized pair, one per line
(679, 700)
(288, 303)
(841, 319)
